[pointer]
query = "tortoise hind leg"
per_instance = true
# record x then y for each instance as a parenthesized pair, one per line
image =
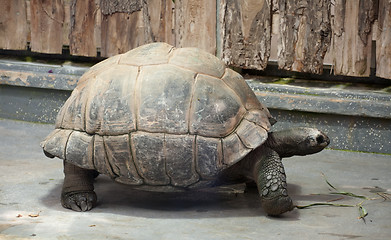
(269, 175)
(78, 189)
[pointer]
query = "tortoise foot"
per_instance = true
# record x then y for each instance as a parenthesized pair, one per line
(277, 206)
(79, 201)
(271, 180)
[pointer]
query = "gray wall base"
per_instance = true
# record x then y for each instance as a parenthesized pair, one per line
(31, 104)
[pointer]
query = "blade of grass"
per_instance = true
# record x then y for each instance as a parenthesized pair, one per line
(338, 192)
(328, 183)
(324, 204)
(350, 195)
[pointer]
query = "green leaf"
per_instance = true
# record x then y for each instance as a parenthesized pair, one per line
(363, 212)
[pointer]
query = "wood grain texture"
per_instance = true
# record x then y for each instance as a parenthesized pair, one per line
(82, 22)
(13, 24)
(125, 6)
(352, 37)
(161, 14)
(383, 43)
(121, 31)
(305, 34)
(195, 24)
(246, 33)
(66, 26)
(124, 31)
(47, 18)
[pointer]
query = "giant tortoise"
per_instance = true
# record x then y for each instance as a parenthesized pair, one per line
(166, 118)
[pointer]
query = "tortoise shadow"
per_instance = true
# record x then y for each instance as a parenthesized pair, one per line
(222, 202)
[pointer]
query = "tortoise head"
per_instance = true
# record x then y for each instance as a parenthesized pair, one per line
(310, 140)
(297, 141)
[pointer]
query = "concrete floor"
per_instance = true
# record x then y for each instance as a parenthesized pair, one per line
(30, 186)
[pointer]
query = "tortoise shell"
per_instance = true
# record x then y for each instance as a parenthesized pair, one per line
(159, 115)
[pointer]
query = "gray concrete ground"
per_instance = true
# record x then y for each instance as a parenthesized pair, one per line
(30, 186)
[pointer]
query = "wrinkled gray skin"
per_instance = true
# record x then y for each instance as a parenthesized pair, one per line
(262, 166)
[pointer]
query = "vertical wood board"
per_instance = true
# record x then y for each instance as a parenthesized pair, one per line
(82, 22)
(161, 13)
(195, 24)
(121, 31)
(13, 24)
(47, 18)
(304, 35)
(352, 37)
(246, 33)
(383, 43)
(66, 26)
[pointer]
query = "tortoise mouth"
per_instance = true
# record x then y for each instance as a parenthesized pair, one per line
(323, 140)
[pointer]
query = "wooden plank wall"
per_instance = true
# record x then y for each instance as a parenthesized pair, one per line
(245, 33)
(47, 18)
(13, 24)
(352, 39)
(383, 40)
(298, 34)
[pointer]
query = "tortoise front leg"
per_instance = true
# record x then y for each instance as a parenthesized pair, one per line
(269, 175)
(78, 189)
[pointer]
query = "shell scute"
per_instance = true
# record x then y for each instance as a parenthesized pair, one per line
(164, 99)
(148, 153)
(149, 54)
(110, 107)
(251, 134)
(79, 149)
(180, 162)
(234, 149)
(119, 156)
(216, 109)
(209, 155)
(198, 61)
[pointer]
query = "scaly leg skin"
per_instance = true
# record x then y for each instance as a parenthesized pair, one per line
(271, 181)
(78, 189)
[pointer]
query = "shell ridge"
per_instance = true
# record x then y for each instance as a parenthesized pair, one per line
(242, 141)
(136, 98)
(109, 164)
(233, 90)
(255, 123)
(88, 102)
(196, 160)
(93, 149)
(188, 69)
(51, 134)
(170, 53)
(131, 148)
(222, 162)
(165, 159)
(66, 145)
(191, 103)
